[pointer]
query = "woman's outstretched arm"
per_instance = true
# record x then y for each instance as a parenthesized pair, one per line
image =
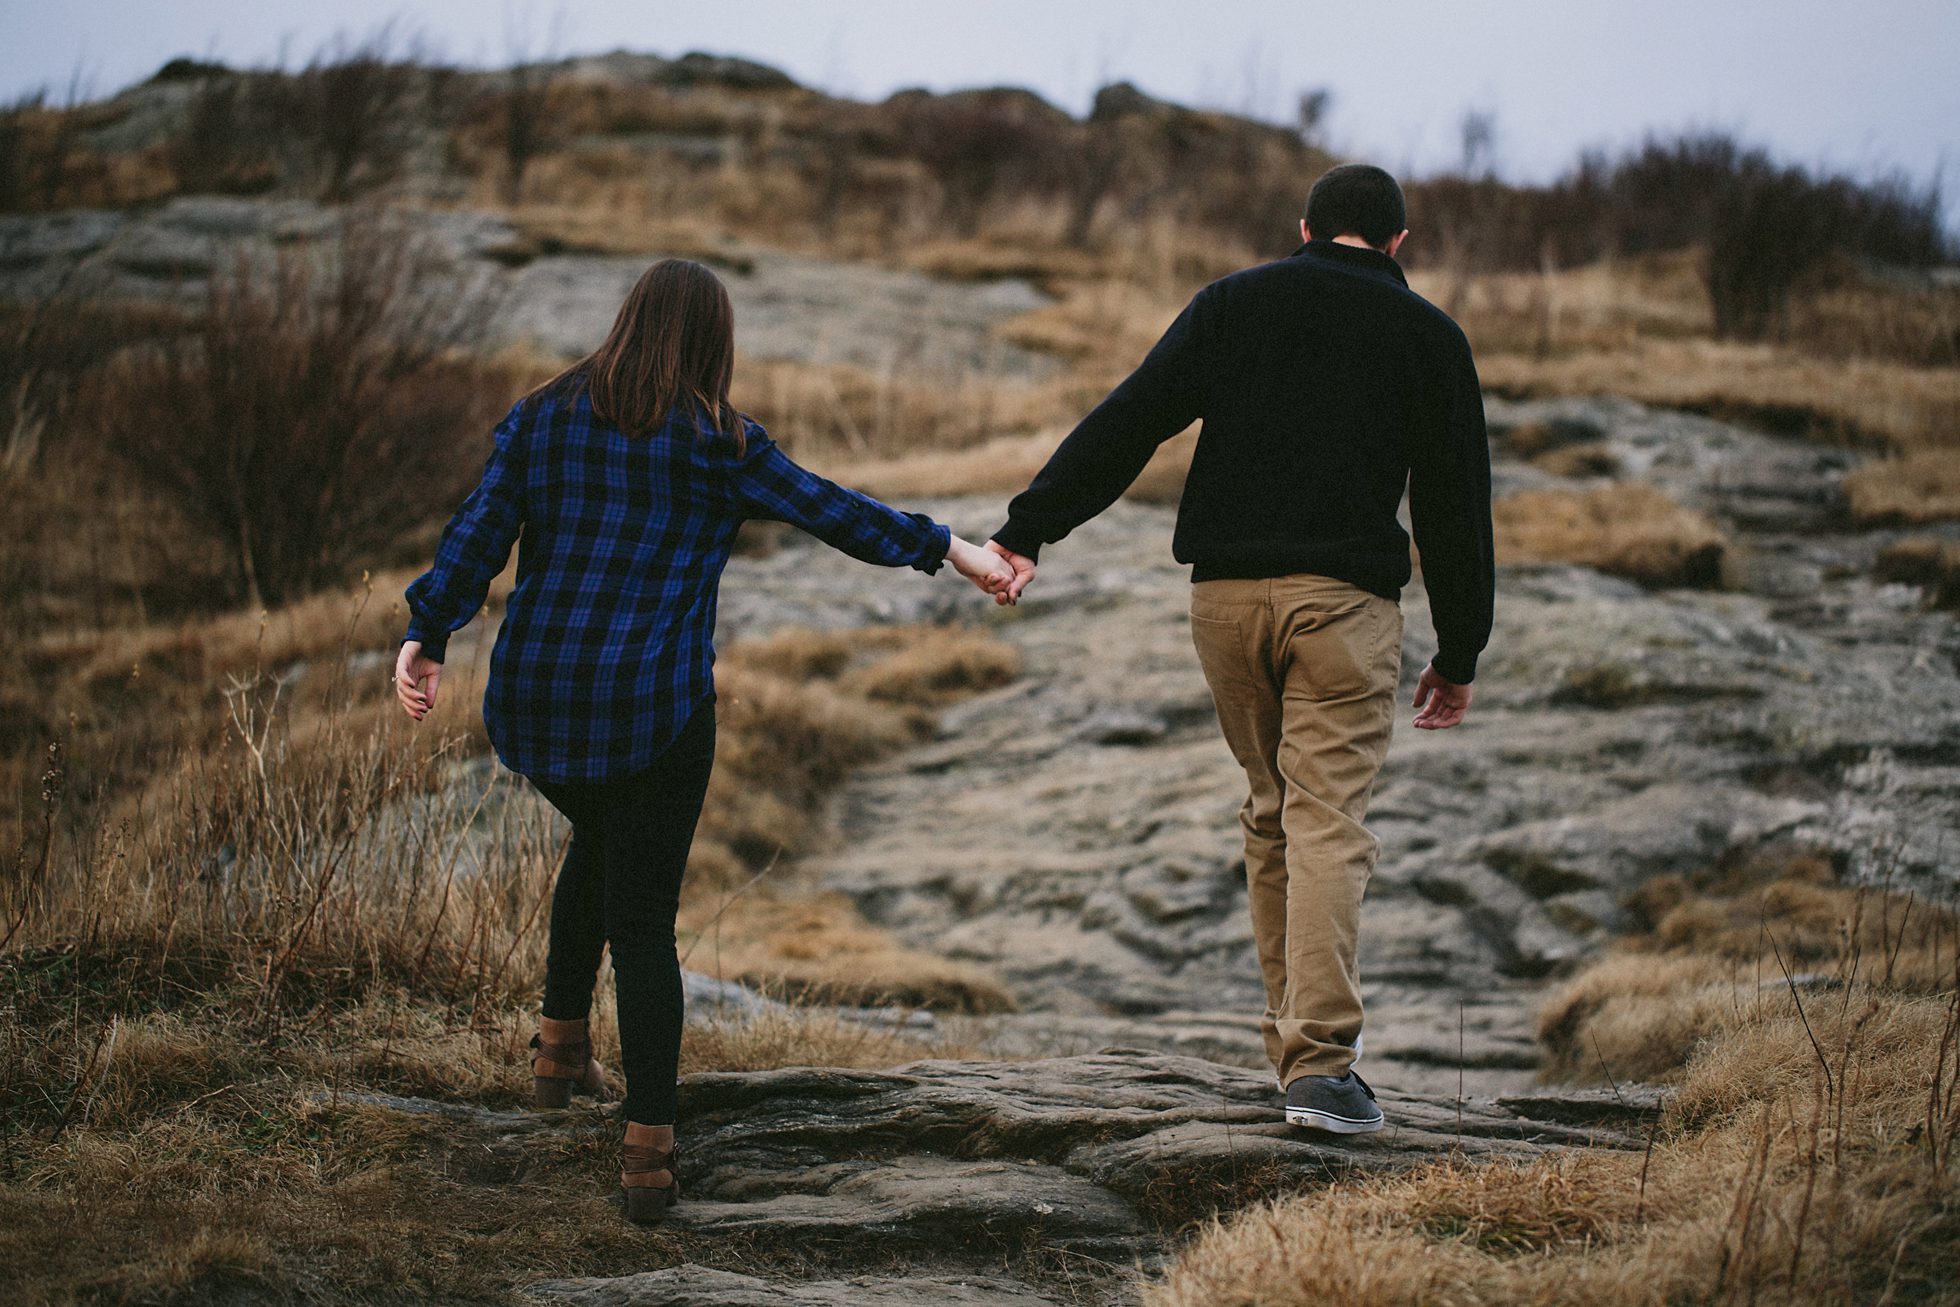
(475, 546)
(766, 483)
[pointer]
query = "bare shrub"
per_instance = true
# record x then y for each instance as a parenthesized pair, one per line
(228, 143)
(344, 113)
(980, 144)
(39, 150)
(310, 410)
(1767, 232)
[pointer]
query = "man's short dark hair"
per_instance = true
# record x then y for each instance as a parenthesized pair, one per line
(1356, 199)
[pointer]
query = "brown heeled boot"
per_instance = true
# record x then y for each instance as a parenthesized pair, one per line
(564, 1064)
(647, 1202)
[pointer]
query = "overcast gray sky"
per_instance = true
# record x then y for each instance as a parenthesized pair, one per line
(1853, 86)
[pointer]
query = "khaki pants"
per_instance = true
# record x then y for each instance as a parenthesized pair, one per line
(1303, 671)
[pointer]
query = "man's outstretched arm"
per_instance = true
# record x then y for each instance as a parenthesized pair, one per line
(1108, 448)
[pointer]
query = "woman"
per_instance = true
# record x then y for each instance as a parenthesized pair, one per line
(628, 474)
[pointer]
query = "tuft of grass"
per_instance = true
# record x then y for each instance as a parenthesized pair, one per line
(1629, 529)
(815, 947)
(1919, 486)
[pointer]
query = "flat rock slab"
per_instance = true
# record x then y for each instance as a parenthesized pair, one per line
(976, 1165)
(1062, 1179)
(702, 1286)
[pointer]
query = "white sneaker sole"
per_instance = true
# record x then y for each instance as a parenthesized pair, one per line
(1332, 1123)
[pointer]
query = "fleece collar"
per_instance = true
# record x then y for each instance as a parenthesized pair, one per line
(1360, 258)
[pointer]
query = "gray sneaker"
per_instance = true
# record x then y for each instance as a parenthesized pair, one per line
(1341, 1104)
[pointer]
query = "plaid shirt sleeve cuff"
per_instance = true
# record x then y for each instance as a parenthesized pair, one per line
(435, 644)
(939, 541)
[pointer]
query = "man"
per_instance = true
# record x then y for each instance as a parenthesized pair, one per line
(1325, 386)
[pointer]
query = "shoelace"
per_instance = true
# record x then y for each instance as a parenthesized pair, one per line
(1363, 1083)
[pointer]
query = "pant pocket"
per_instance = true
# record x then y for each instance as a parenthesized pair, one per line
(1223, 651)
(1335, 652)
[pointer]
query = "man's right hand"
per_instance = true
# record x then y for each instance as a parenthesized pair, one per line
(1440, 704)
(1023, 573)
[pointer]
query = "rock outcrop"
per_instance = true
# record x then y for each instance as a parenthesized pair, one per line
(790, 306)
(985, 1182)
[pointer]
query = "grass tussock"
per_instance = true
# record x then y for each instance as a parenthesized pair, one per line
(1628, 529)
(817, 948)
(1920, 486)
(1806, 1154)
(1641, 1012)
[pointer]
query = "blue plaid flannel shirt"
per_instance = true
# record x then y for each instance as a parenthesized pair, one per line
(607, 644)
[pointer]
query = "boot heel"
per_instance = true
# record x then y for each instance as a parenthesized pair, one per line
(550, 1091)
(647, 1204)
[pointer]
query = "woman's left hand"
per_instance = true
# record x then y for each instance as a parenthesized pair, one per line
(416, 679)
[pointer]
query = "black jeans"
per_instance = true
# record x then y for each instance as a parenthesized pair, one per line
(621, 883)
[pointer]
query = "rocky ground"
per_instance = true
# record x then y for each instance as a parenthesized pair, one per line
(1076, 830)
(1059, 1180)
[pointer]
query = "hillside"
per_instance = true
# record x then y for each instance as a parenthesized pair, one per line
(1662, 963)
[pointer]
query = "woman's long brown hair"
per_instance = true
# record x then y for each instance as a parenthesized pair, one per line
(673, 342)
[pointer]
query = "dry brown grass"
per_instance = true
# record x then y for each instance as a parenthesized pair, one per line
(1617, 304)
(798, 710)
(1725, 940)
(1108, 322)
(1806, 1156)
(179, 1159)
(837, 411)
(999, 254)
(815, 947)
(1867, 401)
(1919, 486)
(563, 229)
(1002, 467)
(1628, 529)
(304, 906)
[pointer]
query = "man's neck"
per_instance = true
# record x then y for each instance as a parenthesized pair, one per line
(1357, 242)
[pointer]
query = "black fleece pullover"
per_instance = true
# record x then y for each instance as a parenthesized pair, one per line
(1325, 386)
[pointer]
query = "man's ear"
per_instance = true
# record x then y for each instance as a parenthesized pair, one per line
(1305, 235)
(1395, 242)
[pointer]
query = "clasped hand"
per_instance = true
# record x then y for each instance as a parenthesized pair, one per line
(995, 569)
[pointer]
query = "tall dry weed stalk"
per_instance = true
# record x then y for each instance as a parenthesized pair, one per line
(304, 862)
